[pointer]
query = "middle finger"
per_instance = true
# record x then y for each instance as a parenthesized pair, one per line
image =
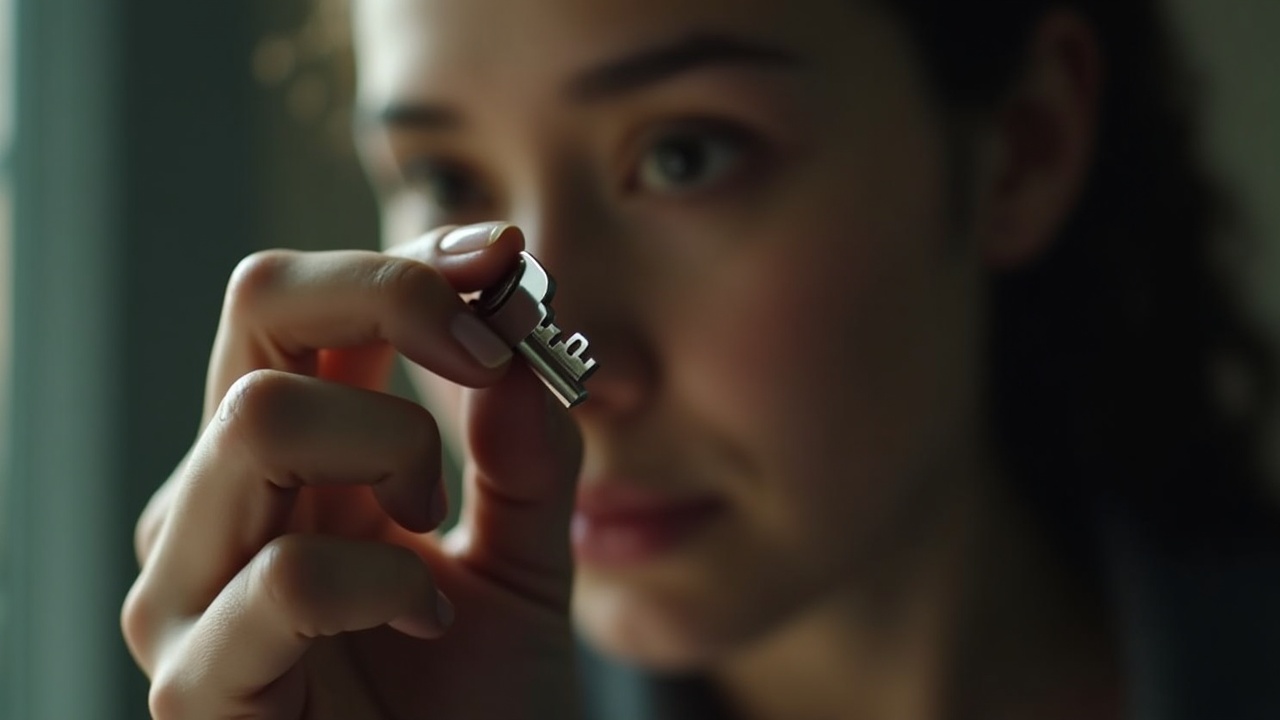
(273, 434)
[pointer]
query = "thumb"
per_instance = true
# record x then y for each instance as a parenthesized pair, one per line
(521, 482)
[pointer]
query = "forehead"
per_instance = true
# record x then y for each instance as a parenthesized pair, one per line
(406, 47)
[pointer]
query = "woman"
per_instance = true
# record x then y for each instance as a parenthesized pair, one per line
(908, 333)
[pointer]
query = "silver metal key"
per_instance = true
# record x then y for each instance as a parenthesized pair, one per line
(519, 311)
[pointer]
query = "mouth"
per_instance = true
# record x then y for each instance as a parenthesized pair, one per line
(620, 524)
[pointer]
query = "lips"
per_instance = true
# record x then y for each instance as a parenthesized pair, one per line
(618, 524)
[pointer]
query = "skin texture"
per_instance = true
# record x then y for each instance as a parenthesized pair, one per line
(795, 332)
(759, 341)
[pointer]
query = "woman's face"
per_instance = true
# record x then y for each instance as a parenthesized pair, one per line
(744, 203)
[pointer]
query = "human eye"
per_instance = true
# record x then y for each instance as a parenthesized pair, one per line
(692, 157)
(451, 188)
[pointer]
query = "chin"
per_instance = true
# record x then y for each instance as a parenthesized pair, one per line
(662, 629)
(642, 631)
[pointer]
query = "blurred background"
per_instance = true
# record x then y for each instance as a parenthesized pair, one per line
(145, 147)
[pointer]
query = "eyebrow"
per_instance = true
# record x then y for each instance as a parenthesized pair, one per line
(618, 77)
(648, 67)
(419, 116)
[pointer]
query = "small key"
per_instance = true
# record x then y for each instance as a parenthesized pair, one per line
(519, 311)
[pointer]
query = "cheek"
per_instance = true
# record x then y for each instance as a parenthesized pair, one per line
(839, 360)
(841, 371)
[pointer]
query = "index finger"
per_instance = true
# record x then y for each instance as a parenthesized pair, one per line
(284, 307)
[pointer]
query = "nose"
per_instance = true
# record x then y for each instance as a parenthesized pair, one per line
(599, 295)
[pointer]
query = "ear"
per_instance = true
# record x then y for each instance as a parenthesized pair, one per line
(1041, 143)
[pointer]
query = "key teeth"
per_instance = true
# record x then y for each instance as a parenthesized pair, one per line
(548, 332)
(554, 337)
(579, 352)
(550, 336)
(575, 345)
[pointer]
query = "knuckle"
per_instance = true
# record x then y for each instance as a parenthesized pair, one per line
(255, 277)
(147, 530)
(258, 400)
(292, 577)
(167, 697)
(144, 536)
(138, 615)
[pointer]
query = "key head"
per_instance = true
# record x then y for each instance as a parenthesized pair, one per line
(535, 279)
(527, 275)
(516, 306)
(518, 309)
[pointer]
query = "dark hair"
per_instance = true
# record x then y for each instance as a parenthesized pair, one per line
(1124, 372)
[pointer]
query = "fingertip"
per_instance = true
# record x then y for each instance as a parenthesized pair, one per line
(495, 236)
(477, 265)
(428, 621)
(472, 238)
(421, 626)
(509, 241)
(438, 507)
(444, 610)
(480, 268)
(483, 256)
(421, 248)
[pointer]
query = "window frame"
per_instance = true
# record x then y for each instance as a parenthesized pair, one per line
(132, 193)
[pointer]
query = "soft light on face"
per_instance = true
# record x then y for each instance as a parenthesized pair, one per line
(743, 203)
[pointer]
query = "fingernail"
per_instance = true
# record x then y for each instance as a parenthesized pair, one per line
(472, 237)
(444, 610)
(487, 348)
(438, 509)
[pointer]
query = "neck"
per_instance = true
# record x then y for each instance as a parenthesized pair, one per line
(975, 619)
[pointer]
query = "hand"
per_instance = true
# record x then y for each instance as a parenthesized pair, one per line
(283, 573)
